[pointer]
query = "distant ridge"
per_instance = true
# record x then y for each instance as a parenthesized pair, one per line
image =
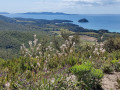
(47, 13)
(4, 13)
(7, 19)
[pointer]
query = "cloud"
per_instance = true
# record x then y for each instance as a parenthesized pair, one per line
(92, 2)
(47, 5)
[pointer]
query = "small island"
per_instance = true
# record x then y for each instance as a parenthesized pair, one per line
(83, 20)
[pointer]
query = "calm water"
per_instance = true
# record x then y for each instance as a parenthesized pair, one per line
(109, 22)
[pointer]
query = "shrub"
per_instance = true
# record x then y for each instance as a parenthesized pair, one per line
(112, 44)
(116, 55)
(88, 76)
(118, 81)
(108, 68)
(2, 63)
(72, 60)
(116, 65)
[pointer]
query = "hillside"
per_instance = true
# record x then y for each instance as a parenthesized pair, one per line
(15, 31)
(30, 24)
(4, 13)
(56, 54)
(7, 19)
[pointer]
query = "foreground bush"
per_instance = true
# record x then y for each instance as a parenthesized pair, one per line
(88, 76)
(116, 65)
(45, 66)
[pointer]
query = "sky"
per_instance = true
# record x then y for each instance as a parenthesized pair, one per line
(66, 6)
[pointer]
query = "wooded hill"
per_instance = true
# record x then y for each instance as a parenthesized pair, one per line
(16, 31)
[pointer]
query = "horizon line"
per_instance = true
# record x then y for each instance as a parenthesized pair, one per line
(59, 12)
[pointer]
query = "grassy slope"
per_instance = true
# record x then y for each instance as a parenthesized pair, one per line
(15, 31)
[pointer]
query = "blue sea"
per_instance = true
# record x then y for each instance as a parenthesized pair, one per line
(109, 22)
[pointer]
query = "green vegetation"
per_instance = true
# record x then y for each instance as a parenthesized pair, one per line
(113, 44)
(118, 81)
(116, 65)
(57, 58)
(87, 75)
(57, 67)
(12, 40)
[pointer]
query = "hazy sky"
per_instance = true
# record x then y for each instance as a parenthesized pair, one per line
(67, 6)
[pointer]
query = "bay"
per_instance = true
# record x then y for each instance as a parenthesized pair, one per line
(109, 22)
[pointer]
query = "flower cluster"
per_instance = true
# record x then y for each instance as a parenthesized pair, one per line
(38, 51)
(67, 47)
(99, 49)
(41, 52)
(34, 49)
(66, 81)
(7, 85)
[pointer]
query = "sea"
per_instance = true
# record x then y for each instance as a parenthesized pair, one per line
(109, 22)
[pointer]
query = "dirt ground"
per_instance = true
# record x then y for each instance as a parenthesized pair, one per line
(87, 38)
(109, 81)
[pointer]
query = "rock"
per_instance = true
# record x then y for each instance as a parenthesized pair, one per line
(83, 20)
(109, 81)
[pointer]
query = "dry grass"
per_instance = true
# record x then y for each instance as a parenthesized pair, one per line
(87, 38)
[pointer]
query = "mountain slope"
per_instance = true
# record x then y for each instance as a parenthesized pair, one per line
(7, 19)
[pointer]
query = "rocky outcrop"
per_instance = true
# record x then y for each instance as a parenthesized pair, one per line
(83, 20)
(109, 81)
